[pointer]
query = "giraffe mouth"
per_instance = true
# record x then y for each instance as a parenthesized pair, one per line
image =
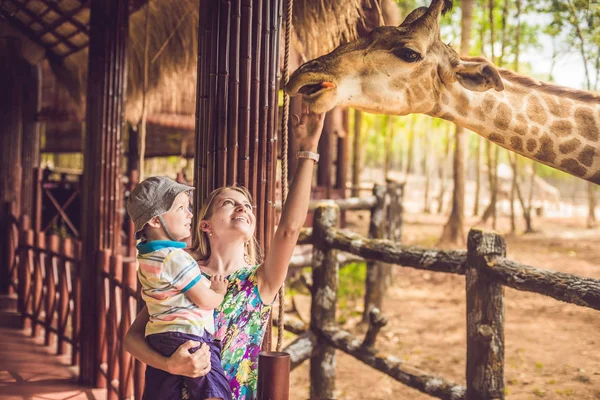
(315, 89)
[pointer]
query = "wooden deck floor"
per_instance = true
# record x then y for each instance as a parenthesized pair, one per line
(29, 370)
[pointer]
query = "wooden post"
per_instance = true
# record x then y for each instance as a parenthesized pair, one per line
(101, 197)
(65, 287)
(30, 157)
(128, 312)
(324, 301)
(273, 376)
(11, 124)
(26, 239)
(485, 318)
(386, 223)
(51, 283)
(375, 285)
(103, 268)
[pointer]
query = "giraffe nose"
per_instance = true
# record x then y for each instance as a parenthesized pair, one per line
(313, 65)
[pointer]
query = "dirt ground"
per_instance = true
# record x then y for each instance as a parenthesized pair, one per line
(552, 349)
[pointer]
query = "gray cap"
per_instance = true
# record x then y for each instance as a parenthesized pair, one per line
(151, 198)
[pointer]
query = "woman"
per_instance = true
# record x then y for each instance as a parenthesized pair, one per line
(226, 246)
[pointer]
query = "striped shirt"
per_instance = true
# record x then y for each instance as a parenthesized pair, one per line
(166, 272)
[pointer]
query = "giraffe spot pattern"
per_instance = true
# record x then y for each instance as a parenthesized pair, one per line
(546, 152)
(503, 117)
(531, 145)
(496, 137)
(586, 157)
(463, 105)
(521, 127)
(535, 130)
(445, 99)
(561, 128)
(448, 117)
(569, 146)
(535, 111)
(584, 119)
(556, 108)
(595, 178)
(571, 165)
(435, 110)
(516, 143)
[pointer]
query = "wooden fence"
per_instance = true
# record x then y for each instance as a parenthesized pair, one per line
(46, 274)
(486, 270)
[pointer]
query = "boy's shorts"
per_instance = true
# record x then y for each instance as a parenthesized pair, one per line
(162, 385)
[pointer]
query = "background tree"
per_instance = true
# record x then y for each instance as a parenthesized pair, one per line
(454, 229)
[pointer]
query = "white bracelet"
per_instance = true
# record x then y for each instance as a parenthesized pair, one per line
(308, 154)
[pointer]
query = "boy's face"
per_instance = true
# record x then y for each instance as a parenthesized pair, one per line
(179, 218)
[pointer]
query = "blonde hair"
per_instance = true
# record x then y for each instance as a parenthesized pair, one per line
(201, 244)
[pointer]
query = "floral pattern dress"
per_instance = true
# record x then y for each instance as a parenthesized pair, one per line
(240, 323)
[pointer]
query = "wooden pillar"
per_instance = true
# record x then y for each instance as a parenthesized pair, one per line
(238, 68)
(30, 158)
(11, 133)
(101, 197)
(485, 318)
(323, 303)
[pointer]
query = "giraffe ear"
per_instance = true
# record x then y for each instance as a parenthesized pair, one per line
(478, 76)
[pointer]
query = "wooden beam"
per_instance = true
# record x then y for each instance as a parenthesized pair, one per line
(37, 19)
(66, 17)
(53, 7)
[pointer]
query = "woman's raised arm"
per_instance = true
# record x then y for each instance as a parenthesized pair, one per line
(272, 274)
(182, 362)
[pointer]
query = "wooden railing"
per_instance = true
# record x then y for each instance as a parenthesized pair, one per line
(486, 270)
(47, 280)
(118, 371)
(49, 287)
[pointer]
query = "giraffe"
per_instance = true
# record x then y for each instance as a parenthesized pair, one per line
(408, 69)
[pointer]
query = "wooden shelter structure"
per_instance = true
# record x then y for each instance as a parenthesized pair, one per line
(75, 72)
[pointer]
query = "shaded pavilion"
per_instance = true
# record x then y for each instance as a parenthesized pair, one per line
(74, 72)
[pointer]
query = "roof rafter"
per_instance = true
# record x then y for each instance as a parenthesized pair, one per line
(67, 17)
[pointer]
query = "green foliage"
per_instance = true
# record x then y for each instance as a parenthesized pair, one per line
(351, 284)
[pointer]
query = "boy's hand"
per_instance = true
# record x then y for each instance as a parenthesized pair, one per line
(219, 284)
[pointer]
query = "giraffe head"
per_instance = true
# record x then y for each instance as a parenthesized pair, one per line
(394, 70)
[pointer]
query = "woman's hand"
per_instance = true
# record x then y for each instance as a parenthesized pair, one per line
(192, 365)
(308, 129)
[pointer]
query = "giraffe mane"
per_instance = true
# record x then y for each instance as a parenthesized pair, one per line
(546, 87)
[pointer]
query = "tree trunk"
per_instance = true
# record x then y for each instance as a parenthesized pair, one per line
(477, 175)
(442, 168)
(513, 188)
(591, 219)
(411, 147)
(454, 229)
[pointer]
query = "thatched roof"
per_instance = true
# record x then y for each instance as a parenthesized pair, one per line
(61, 28)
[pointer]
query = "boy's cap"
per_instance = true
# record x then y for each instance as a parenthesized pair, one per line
(151, 198)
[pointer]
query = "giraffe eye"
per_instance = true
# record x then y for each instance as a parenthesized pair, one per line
(406, 54)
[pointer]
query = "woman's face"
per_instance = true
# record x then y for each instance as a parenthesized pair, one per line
(232, 216)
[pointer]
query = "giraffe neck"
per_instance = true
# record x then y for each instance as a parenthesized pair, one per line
(557, 126)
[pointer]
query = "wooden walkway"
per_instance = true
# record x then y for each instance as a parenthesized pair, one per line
(31, 371)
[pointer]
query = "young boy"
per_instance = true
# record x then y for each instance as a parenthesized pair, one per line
(180, 299)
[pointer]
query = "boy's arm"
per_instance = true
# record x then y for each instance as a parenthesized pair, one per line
(204, 297)
(185, 274)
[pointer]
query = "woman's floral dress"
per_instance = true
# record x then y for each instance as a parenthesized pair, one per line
(241, 322)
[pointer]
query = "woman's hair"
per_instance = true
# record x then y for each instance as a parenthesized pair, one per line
(201, 243)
